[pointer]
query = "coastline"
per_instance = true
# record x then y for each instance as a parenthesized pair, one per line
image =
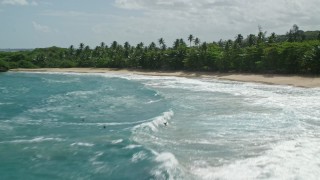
(291, 80)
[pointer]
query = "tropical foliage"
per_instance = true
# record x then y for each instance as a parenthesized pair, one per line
(295, 52)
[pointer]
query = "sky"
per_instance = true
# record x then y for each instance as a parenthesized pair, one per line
(45, 23)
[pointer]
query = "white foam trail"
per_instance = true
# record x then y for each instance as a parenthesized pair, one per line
(150, 102)
(53, 122)
(34, 140)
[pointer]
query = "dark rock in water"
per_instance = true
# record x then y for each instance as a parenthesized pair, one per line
(3, 69)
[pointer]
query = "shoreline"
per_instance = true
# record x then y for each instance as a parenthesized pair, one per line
(272, 79)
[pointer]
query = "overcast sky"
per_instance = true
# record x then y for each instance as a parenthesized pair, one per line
(44, 23)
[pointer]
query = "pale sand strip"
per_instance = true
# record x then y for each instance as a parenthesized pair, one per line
(293, 80)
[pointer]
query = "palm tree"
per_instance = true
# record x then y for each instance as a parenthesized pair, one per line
(126, 49)
(190, 38)
(204, 47)
(71, 50)
(182, 43)
(87, 48)
(162, 43)
(228, 45)
(196, 41)
(176, 44)
(140, 45)
(102, 45)
(272, 38)
(114, 45)
(79, 51)
(221, 43)
(126, 46)
(252, 39)
(239, 39)
(81, 46)
(152, 46)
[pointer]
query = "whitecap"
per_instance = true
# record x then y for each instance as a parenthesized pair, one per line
(153, 101)
(80, 93)
(82, 144)
(139, 156)
(132, 146)
(117, 141)
(168, 168)
(156, 122)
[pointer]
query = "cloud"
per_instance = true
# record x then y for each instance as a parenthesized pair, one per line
(41, 28)
(19, 2)
(73, 14)
(214, 19)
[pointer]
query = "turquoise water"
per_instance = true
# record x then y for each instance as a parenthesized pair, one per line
(112, 126)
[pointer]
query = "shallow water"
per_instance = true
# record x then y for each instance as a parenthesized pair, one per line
(110, 126)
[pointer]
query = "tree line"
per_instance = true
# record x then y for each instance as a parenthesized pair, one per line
(296, 52)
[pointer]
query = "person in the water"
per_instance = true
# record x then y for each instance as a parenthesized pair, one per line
(165, 123)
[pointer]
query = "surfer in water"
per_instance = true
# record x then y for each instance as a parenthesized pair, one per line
(165, 123)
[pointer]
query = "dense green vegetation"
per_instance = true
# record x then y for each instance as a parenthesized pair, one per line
(295, 52)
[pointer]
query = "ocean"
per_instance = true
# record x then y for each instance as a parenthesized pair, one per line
(126, 126)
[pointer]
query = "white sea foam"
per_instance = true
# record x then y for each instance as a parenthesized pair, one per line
(82, 144)
(168, 167)
(138, 156)
(295, 159)
(34, 140)
(167, 159)
(80, 93)
(117, 141)
(65, 81)
(7, 103)
(132, 146)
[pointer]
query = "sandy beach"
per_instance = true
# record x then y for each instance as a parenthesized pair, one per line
(292, 80)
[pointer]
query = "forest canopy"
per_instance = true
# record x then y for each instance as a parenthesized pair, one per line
(296, 52)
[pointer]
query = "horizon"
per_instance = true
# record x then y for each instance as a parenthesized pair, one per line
(38, 24)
